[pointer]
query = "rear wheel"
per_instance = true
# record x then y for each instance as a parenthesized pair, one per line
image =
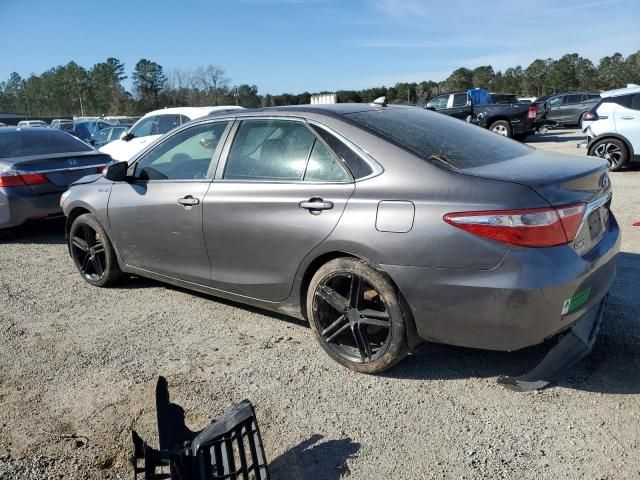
(501, 127)
(356, 315)
(92, 252)
(612, 150)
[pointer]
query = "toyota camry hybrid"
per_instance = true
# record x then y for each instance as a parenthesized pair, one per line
(383, 226)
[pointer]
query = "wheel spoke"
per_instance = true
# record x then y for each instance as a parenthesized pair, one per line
(89, 235)
(362, 341)
(338, 332)
(80, 243)
(333, 326)
(355, 291)
(374, 322)
(333, 298)
(374, 314)
(98, 248)
(97, 265)
(85, 263)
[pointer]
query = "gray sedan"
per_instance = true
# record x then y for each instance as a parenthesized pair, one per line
(36, 166)
(382, 225)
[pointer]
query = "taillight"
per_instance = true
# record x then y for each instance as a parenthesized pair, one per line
(590, 116)
(536, 227)
(533, 111)
(13, 178)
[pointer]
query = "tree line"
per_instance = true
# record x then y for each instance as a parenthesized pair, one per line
(70, 89)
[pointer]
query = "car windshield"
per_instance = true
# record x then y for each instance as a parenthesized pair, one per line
(26, 143)
(438, 138)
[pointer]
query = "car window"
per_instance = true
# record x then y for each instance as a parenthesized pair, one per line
(144, 127)
(116, 132)
(323, 166)
(622, 100)
(635, 101)
(440, 102)
(29, 142)
(166, 123)
(184, 119)
(572, 99)
(269, 150)
(594, 95)
(443, 140)
(460, 99)
(102, 135)
(555, 101)
(184, 156)
(359, 168)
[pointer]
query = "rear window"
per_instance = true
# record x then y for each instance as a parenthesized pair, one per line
(622, 100)
(443, 140)
(26, 143)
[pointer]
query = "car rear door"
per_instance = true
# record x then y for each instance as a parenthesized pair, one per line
(279, 194)
(156, 216)
(627, 120)
(555, 108)
(459, 106)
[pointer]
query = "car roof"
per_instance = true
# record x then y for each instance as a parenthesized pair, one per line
(191, 111)
(335, 109)
(621, 91)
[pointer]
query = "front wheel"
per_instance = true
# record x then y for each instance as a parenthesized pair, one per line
(612, 150)
(92, 252)
(501, 127)
(356, 315)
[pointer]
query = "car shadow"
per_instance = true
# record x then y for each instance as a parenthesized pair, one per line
(317, 459)
(612, 367)
(46, 232)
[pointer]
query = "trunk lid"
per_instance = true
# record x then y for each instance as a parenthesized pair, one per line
(62, 169)
(559, 179)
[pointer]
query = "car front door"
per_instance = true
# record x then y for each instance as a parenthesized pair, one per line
(279, 194)
(571, 108)
(156, 216)
(460, 106)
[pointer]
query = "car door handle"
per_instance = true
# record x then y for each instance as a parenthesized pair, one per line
(627, 118)
(316, 204)
(188, 201)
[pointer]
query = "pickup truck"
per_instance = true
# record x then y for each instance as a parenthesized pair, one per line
(501, 113)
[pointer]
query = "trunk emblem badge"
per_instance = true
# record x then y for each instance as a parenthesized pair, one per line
(73, 162)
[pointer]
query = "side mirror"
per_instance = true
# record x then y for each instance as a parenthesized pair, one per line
(126, 136)
(116, 172)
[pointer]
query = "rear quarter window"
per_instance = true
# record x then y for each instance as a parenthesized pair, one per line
(28, 143)
(443, 140)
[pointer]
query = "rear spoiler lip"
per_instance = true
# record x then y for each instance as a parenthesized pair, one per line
(53, 156)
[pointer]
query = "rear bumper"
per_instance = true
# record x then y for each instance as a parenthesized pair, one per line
(19, 204)
(517, 304)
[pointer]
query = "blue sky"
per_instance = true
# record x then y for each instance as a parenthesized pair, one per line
(313, 45)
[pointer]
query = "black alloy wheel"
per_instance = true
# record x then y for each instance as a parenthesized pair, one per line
(356, 316)
(92, 252)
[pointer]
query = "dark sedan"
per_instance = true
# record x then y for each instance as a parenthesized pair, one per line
(382, 225)
(36, 166)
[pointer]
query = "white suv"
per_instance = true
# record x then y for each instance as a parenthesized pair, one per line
(612, 127)
(152, 126)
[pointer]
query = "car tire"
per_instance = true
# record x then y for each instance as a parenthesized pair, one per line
(501, 127)
(92, 252)
(613, 150)
(365, 331)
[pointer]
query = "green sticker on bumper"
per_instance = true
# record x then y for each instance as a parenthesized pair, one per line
(576, 301)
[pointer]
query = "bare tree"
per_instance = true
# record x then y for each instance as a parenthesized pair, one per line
(212, 81)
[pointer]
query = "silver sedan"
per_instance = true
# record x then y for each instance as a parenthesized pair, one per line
(382, 225)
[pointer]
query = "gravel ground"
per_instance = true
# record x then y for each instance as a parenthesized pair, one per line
(78, 367)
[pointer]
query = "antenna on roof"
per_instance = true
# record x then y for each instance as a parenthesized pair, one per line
(380, 102)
